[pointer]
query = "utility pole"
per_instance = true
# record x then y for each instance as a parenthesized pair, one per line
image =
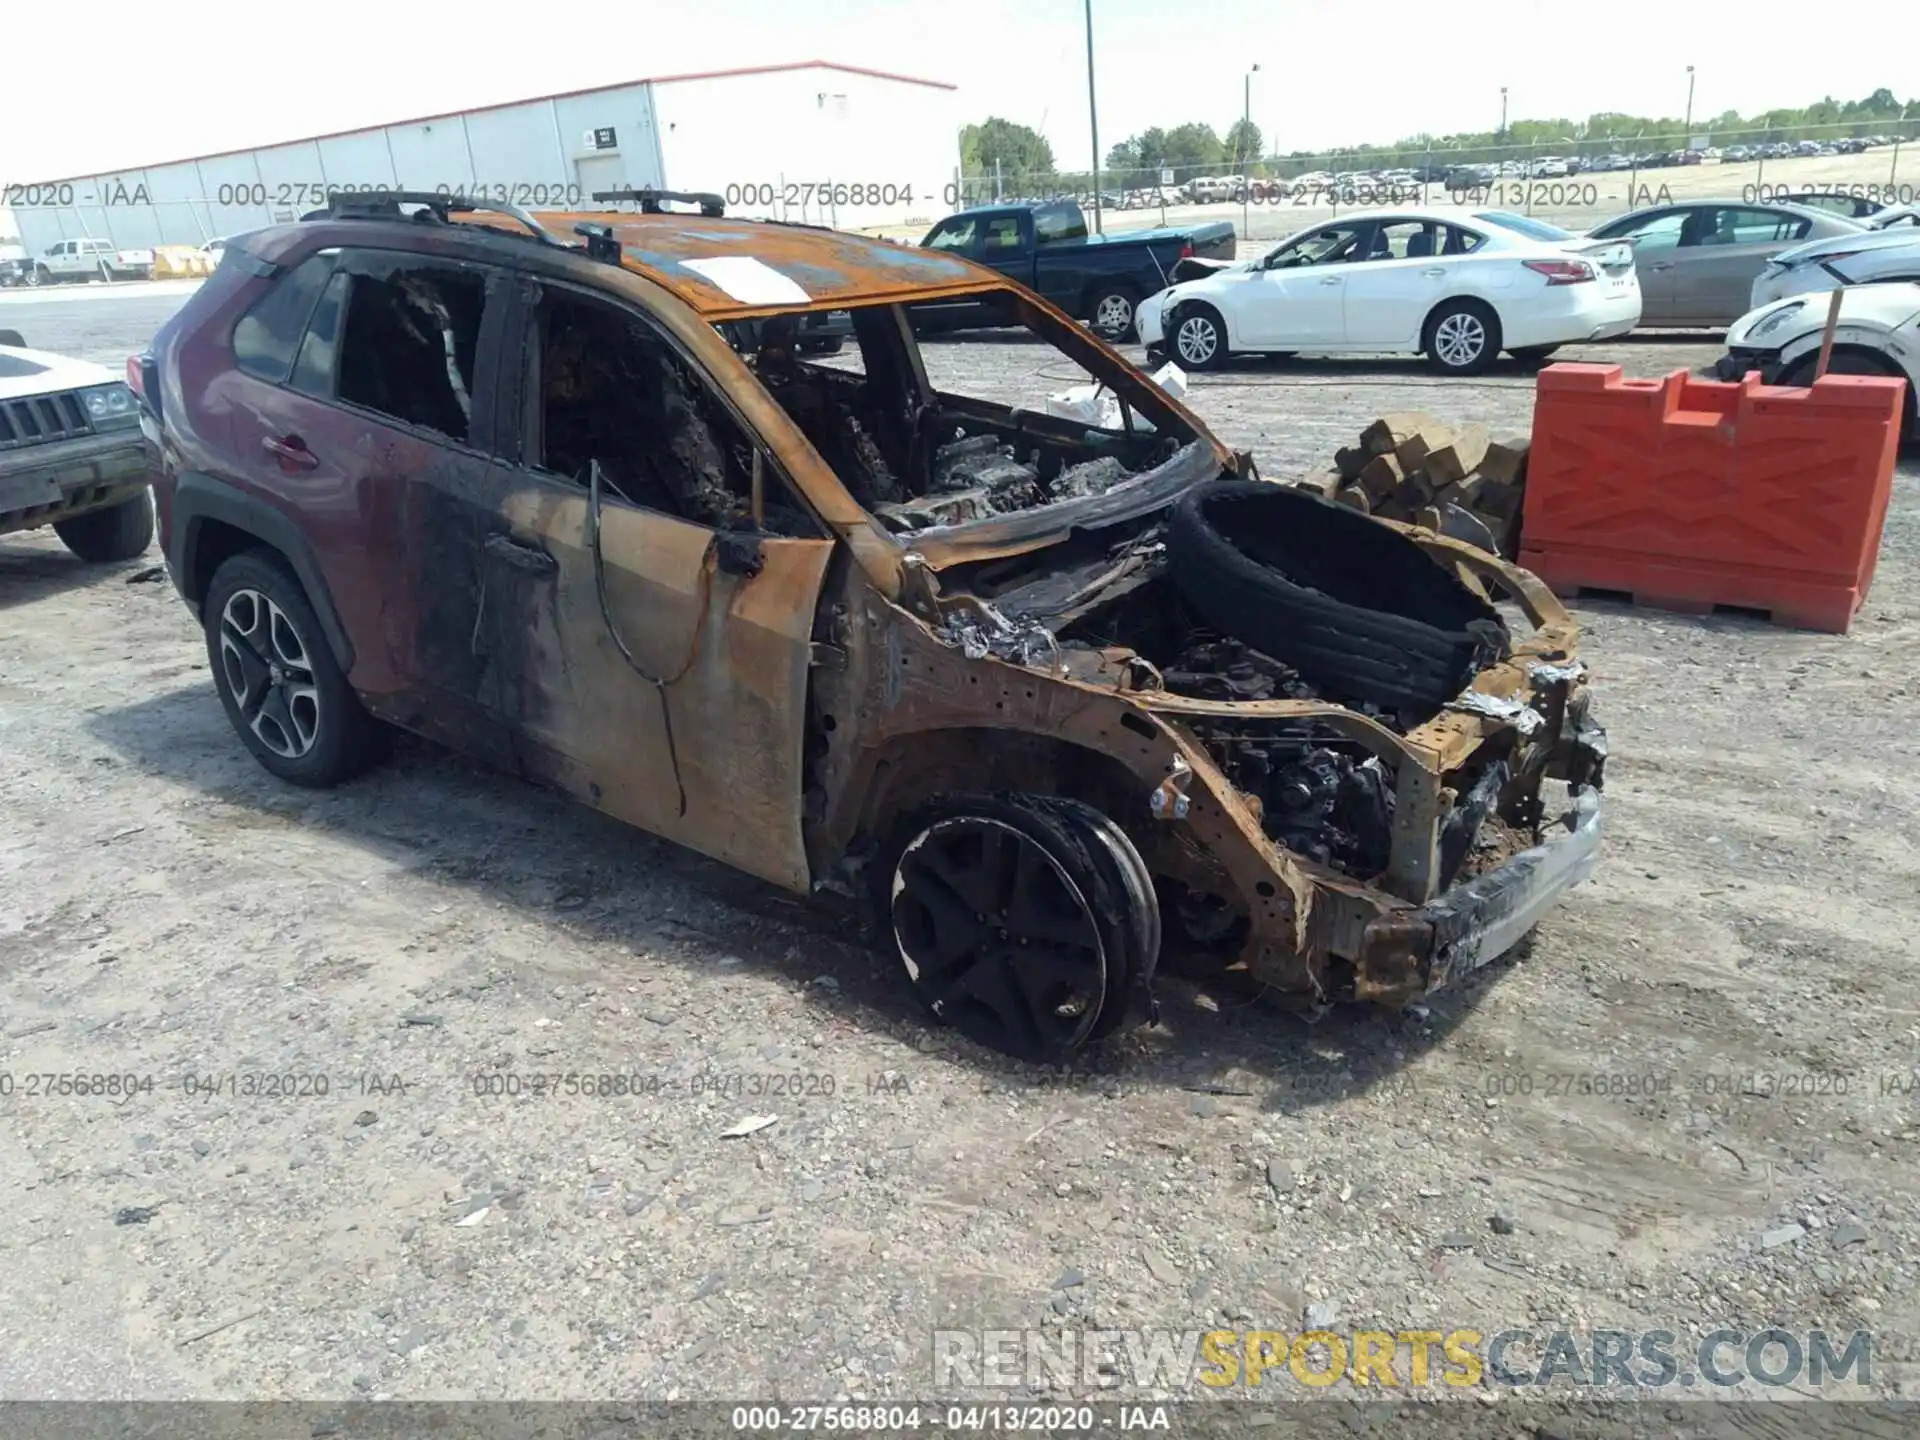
(1501, 133)
(1093, 124)
(1688, 142)
(1246, 141)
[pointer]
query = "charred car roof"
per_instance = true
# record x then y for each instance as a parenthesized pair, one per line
(727, 269)
(721, 269)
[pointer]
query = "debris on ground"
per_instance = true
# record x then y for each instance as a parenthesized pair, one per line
(752, 1125)
(135, 1214)
(1098, 406)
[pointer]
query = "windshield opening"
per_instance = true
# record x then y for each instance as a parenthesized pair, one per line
(896, 402)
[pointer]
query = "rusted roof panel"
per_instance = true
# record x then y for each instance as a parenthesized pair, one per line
(828, 267)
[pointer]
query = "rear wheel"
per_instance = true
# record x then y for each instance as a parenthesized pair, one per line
(1112, 312)
(39, 275)
(1463, 337)
(279, 683)
(1023, 921)
(118, 532)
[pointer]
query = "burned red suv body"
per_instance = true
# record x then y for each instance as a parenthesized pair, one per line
(1055, 697)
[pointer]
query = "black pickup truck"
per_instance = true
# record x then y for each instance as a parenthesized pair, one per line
(1046, 247)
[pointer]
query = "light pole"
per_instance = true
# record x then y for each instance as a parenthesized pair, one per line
(1688, 141)
(1246, 143)
(1093, 124)
(1501, 133)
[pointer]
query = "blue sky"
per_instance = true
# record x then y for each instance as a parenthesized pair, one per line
(137, 84)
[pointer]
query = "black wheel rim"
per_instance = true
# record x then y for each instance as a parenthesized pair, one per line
(997, 938)
(264, 664)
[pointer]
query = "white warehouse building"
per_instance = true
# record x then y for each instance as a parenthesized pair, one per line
(813, 141)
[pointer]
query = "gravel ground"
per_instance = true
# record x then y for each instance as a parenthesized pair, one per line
(1570, 1139)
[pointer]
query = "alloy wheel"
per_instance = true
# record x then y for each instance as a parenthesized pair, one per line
(1459, 338)
(1197, 339)
(997, 938)
(264, 664)
(1113, 315)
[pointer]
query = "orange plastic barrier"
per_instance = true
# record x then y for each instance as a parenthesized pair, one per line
(1694, 493)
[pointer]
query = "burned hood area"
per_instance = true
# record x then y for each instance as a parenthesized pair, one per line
(1248, 591)
(1134, 556)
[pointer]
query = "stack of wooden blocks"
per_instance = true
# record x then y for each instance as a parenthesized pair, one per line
(1411, 467)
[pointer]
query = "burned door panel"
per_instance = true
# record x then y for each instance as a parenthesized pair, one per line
(416, 344)
(680, 705)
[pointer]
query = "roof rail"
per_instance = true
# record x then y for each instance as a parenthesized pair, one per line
(649, 199)
(385, 205)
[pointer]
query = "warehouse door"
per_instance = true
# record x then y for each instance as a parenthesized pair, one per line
(599, 172)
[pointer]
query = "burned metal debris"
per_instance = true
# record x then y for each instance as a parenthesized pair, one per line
(1523, 718)
(1229, 670)
(1319, 796)
(980, 475)
(979, 630)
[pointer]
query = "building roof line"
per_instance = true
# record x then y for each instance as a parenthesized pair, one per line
(524, 100)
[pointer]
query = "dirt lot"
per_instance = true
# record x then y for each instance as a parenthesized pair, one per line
(170, 913)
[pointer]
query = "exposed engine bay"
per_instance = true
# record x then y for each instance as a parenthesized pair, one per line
(1116, 614)
(917, 462)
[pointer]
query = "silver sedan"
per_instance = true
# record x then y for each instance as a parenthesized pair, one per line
(1697, 260)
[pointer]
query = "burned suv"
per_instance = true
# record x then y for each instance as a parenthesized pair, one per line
(1055, 699)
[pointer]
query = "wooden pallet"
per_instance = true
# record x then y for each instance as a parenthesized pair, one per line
(1786, 617)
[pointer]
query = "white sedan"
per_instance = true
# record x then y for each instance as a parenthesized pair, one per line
(1458, 286)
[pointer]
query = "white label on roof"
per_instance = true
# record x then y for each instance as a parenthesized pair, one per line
(750, 281)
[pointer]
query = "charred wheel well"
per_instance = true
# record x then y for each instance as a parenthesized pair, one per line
(915, 768)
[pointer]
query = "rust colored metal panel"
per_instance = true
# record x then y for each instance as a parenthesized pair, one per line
(710, 756)
(830, 267)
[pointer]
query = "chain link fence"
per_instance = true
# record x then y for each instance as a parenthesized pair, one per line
(1569, 181)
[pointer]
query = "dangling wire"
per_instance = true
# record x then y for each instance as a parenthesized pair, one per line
(659, 683)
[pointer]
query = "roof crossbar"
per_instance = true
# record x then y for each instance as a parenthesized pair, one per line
(649, 200)
(385, 205)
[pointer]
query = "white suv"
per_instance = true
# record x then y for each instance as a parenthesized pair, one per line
(90, 260)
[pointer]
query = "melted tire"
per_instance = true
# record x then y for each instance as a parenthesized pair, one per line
(1358, 609)
(1106, 876)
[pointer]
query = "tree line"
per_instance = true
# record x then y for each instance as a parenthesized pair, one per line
(1020, 160)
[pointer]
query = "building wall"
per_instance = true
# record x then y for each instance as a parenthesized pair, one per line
(768, 136)
(821, 146)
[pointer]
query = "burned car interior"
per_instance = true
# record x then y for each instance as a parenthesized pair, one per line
(920, 459)
(611, 389)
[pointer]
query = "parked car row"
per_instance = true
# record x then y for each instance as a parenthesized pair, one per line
(1456, 285)
(80, 261)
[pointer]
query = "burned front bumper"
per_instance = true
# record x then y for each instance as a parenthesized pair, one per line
(1410, 952)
